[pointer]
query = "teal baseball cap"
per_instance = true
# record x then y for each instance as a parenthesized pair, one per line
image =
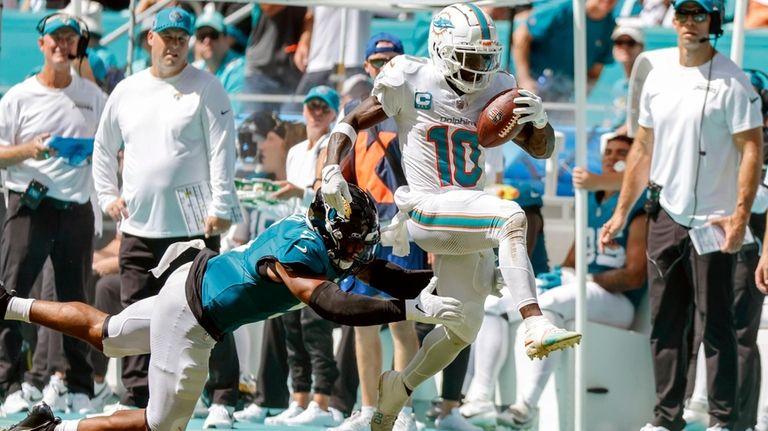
(326, 94)
(174, 17)
(213, 20)
(709, 6)
(56, 22)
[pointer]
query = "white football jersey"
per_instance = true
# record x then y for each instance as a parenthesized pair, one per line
(437, 127)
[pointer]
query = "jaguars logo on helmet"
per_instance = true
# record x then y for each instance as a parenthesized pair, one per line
(464, 46)
(352, 241)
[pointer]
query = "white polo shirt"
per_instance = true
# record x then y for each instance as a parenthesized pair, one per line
(30, 109)
(671, 104)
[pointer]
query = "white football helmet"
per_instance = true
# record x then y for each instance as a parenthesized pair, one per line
(464, 47)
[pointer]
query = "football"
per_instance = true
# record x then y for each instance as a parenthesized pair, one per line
(497, 123)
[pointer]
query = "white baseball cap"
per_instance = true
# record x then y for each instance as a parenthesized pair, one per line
(624, 30)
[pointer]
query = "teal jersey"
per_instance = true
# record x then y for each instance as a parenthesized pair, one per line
(611, 258)
(101, 51)
(231, 75)
(234, 293)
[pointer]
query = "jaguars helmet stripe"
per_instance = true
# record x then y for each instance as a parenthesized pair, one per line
(486, 32)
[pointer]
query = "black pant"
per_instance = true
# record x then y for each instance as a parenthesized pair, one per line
(271, 383)
(344, 394)
(107, 299)
(690, 291)
(454, 373)
(137, 256)
(310, 351)
(29, 238)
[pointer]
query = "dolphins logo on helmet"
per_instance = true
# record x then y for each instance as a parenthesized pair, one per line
(464, 46)
(351, 241)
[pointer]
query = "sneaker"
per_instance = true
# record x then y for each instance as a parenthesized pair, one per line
(102, 395)
(109, 409)
(23, 399)
(762, 421)
(696, 412)
(392, 398)
(247, 384)
(312, 416)
(255, 413)
(294, 409)
(455, 422)
(55, 394)
(718, 427)
(518, 416)
(405, 422)
(481, 413)
(357, 422)
(543, 338)
(201, 410)
(652, 427)
(80, 403)
(39, 419)
(219, 417)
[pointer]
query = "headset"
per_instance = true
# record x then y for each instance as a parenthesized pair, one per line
(716, 23)
(85, 34)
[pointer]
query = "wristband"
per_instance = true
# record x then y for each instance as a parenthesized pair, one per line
(345, 129)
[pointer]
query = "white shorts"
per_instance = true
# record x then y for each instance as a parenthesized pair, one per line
(455, 222)
(178, 368)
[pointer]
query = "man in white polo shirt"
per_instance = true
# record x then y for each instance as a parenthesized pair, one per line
(700, 144)
(176, 125)
(49, 213)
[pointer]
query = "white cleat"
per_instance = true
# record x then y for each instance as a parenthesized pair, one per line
(55, 394)
(455, 422)
(219, 417)
(518, 416)
(22, 400)
(293, 410)
(696, 412)
(313, 416)
(482, 413)
(357, 422)
(544, 338)
(392, 398)
(652, 427)
(255, 413)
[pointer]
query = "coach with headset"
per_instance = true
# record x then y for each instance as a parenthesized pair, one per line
(49, 213)
(700, 144)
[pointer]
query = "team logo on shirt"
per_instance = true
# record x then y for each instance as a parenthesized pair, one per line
(422, 100)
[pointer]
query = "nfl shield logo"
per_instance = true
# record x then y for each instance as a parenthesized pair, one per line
(495, 115)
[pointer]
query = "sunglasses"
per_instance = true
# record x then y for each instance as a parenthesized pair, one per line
(210, 34)
(629, 43)
(698, 16)
(316, 105)
(379, 62)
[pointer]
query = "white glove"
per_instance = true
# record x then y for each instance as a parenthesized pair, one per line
(534, 112)
(335, 189)
(429, 308)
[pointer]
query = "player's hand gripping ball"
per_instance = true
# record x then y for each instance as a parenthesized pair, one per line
(498, 123)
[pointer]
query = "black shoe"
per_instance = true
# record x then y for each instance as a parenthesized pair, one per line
(5, 298)
(39, 419)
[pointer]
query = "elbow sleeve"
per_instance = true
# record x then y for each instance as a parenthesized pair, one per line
(334, 304)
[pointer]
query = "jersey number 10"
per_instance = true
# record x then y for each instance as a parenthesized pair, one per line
(452, 154)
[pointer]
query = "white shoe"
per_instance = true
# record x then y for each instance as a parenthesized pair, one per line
(652, 427)
(405, 422)
(294, 409)
(718, 427)
(392, 398)
(80, 403)
(55, 394)
(201, 410)
(481, 413)
(518, 416)
(543, 338)
(313, 416)
(22, 400)
(455, 422)
(762, 421)
(255, 413)
(357, 422)
(696, 412)
(219, 417)
(109, 409)
(102, 395)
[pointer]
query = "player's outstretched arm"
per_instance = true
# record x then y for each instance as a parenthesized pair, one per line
(332, 303)
(394, 280)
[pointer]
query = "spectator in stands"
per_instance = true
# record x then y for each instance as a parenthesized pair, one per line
(176, 125)
(374, 164)
(216, 56)
(542, 66)
(628, 43)
(697, 178)
(49, 212)
(144, 59)
(318, 55)
(269, 59)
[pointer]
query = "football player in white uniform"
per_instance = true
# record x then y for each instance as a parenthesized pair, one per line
(436, 103)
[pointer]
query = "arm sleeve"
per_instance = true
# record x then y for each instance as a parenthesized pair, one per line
(107, 143)
(334, 304)
(396, 281)
(218, 120)
(742, 107)
(645, 118)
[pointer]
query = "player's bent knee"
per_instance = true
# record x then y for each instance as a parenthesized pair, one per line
(457, 340)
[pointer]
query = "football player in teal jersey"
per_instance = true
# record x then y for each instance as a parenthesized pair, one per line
(295, 262)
